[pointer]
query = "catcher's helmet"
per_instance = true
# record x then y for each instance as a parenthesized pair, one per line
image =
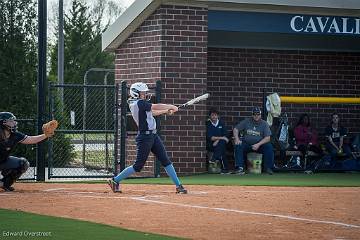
(8, 120)
(136, 88)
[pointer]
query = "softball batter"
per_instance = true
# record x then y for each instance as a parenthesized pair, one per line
(147, 139)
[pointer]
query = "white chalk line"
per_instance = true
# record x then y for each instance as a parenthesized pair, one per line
(56, 189)
(145, 199)
(70, 190)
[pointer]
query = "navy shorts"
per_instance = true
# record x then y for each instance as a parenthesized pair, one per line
(146, 143)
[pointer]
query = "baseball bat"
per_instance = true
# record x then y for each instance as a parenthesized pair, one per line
(195, 100)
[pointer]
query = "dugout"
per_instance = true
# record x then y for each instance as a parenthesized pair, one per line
(234, 49)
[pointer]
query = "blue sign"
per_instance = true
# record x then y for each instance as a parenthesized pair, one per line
(283, 23)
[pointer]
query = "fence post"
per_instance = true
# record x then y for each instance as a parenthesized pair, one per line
(40, 153)
(123, 106)
(116, 127)
(52, 116)
(105, 124)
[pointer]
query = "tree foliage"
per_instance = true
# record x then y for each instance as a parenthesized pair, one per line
(83, 27)
(18, 61)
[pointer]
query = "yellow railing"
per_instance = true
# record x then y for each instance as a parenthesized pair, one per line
(320, 100)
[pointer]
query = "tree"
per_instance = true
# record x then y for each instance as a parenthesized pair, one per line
(82, 40)
(18, 65)
(18, 62)
(83, 27)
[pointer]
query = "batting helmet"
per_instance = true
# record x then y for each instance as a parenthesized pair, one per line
(8, 120)
(136, 88)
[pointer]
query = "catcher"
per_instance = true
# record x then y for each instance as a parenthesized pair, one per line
(13, 167)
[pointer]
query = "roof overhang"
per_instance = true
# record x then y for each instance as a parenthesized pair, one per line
(140, 10)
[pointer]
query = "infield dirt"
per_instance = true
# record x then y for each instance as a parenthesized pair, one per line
(207, 212)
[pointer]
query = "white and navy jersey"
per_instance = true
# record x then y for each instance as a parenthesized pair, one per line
(141, 112)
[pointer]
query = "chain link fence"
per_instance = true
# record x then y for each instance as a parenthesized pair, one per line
(28, 127)
(83, 146)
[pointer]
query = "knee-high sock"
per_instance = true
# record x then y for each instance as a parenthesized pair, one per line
(124, 174)
(172, 174)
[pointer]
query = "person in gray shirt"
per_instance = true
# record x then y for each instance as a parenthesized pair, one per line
(253, 135)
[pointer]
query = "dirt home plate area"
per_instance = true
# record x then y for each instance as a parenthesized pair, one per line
(207, 212)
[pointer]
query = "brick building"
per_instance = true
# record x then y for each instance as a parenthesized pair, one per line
(238, 51)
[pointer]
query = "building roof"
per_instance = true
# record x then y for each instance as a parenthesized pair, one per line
(140, 10)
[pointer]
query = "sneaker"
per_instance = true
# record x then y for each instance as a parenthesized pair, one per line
(181, 190)
(309, 172)
(239, 171)
(225, 172)
(212, 161)
(269, 171)
(115, 187)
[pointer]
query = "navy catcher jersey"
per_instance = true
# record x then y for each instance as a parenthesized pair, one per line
(8, 144)
(141, 112)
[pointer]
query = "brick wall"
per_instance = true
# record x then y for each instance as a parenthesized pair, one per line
(171, 46)
(237, 78)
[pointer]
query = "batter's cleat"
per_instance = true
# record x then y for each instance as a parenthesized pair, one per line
(181, 190)
(115, 187)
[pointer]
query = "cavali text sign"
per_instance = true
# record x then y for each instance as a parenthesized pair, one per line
(283, 23)
(321, 24)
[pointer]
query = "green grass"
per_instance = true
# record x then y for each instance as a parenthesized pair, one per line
(90, 136)
(96, 159)
(22, 224)
(278, 179)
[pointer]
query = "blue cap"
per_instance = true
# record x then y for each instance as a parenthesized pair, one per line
(256, 110)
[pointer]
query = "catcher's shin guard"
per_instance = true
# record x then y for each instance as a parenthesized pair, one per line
(115, 187)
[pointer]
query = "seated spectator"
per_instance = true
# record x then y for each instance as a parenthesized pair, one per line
(255, 138)
(355, 143)
(306, 137)
(217, 140)
(335, 134)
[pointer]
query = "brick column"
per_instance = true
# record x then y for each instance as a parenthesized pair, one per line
(184, 76)
(171, 46)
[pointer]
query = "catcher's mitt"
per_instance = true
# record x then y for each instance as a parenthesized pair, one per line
(49, 128)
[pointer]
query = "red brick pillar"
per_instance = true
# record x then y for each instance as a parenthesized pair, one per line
(184, 76)
(171, 46)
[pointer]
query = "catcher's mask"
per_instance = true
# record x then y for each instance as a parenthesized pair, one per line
(8, 120)
(138, 87)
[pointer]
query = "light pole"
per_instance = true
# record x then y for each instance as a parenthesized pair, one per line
(61, 52)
